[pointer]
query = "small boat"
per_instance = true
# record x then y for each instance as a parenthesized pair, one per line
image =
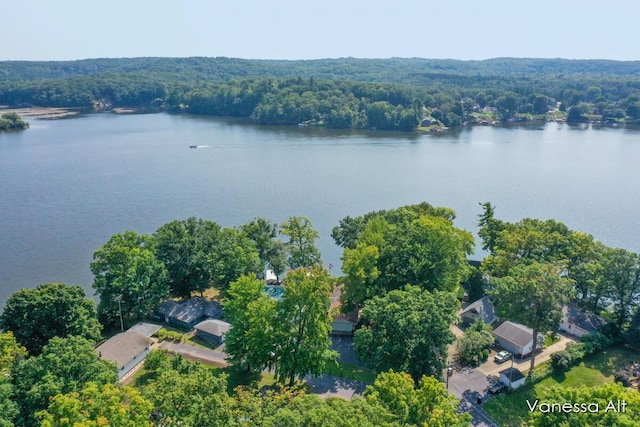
(193, 146)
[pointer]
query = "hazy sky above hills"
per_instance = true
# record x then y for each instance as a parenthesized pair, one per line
(288, 29)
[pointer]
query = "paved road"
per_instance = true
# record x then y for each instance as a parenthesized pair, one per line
(329, 386)
(469, 385)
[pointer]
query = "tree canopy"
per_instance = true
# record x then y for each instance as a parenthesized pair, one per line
(127, 270)
(50, 310)
(407, 330)
(404, 247)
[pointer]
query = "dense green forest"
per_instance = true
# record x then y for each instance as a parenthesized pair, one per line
(393, 94)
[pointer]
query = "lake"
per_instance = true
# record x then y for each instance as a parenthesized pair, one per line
(66, 186)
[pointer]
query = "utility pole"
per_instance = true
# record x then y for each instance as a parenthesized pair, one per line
(119, 299)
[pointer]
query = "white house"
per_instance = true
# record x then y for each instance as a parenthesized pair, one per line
(516, 338)
(128, 349)
(578, 322)
(511, 377)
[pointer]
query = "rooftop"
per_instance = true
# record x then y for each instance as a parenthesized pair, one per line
(214, 327)
(515, 333)
(190, 310)
(122, 348)
(583, 319)
(513, 374)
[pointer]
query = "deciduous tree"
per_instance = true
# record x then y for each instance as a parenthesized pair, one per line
(126, 269)
(407, 330)
(98, 405)
(427, 404)
(65, 366)
(184, 247)
(302, 324)
(301, 245)
(50, 310)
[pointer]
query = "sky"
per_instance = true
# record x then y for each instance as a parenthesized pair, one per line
(288, 29)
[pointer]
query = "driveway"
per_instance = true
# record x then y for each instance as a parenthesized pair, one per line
(492, 368)
(468, 385)
(204, 355)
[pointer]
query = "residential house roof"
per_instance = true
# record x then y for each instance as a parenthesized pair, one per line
(190, 310)
(583, 319)
(513, 374)
(122, 348)
(145, 329)
(483, 307)
(214, 327)
(515, 333)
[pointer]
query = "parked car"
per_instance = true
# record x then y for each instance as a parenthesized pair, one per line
(497, 388)
(503, 356)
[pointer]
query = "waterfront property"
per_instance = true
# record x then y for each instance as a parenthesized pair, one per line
(579, 322)
(189, 312)
(128, 349)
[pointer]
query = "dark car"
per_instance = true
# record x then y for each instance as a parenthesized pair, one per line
(497, 388)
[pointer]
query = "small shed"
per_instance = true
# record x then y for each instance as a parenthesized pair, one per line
(516, 338)
(212, 330)
(480, 309)
(578, 322)
(511, 377)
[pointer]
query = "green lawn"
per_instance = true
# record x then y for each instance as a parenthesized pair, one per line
(343, 370)
(240, 377)
(511, 409)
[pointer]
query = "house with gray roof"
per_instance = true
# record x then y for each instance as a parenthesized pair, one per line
(578, 322)
(516, 338)
(186, 314)
(212, 330)
(128, 349)
(480, 309)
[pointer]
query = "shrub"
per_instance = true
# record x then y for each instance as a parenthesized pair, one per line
(561, 361)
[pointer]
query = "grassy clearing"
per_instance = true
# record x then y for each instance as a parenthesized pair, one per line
(511, 409)
(241, 377)
(344, 370)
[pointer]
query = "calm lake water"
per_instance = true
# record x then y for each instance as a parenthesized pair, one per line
(66, 186)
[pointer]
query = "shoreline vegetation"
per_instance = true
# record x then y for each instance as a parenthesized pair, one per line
(10, 121)
(383, 94)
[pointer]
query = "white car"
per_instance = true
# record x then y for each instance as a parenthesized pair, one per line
(503, 356)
